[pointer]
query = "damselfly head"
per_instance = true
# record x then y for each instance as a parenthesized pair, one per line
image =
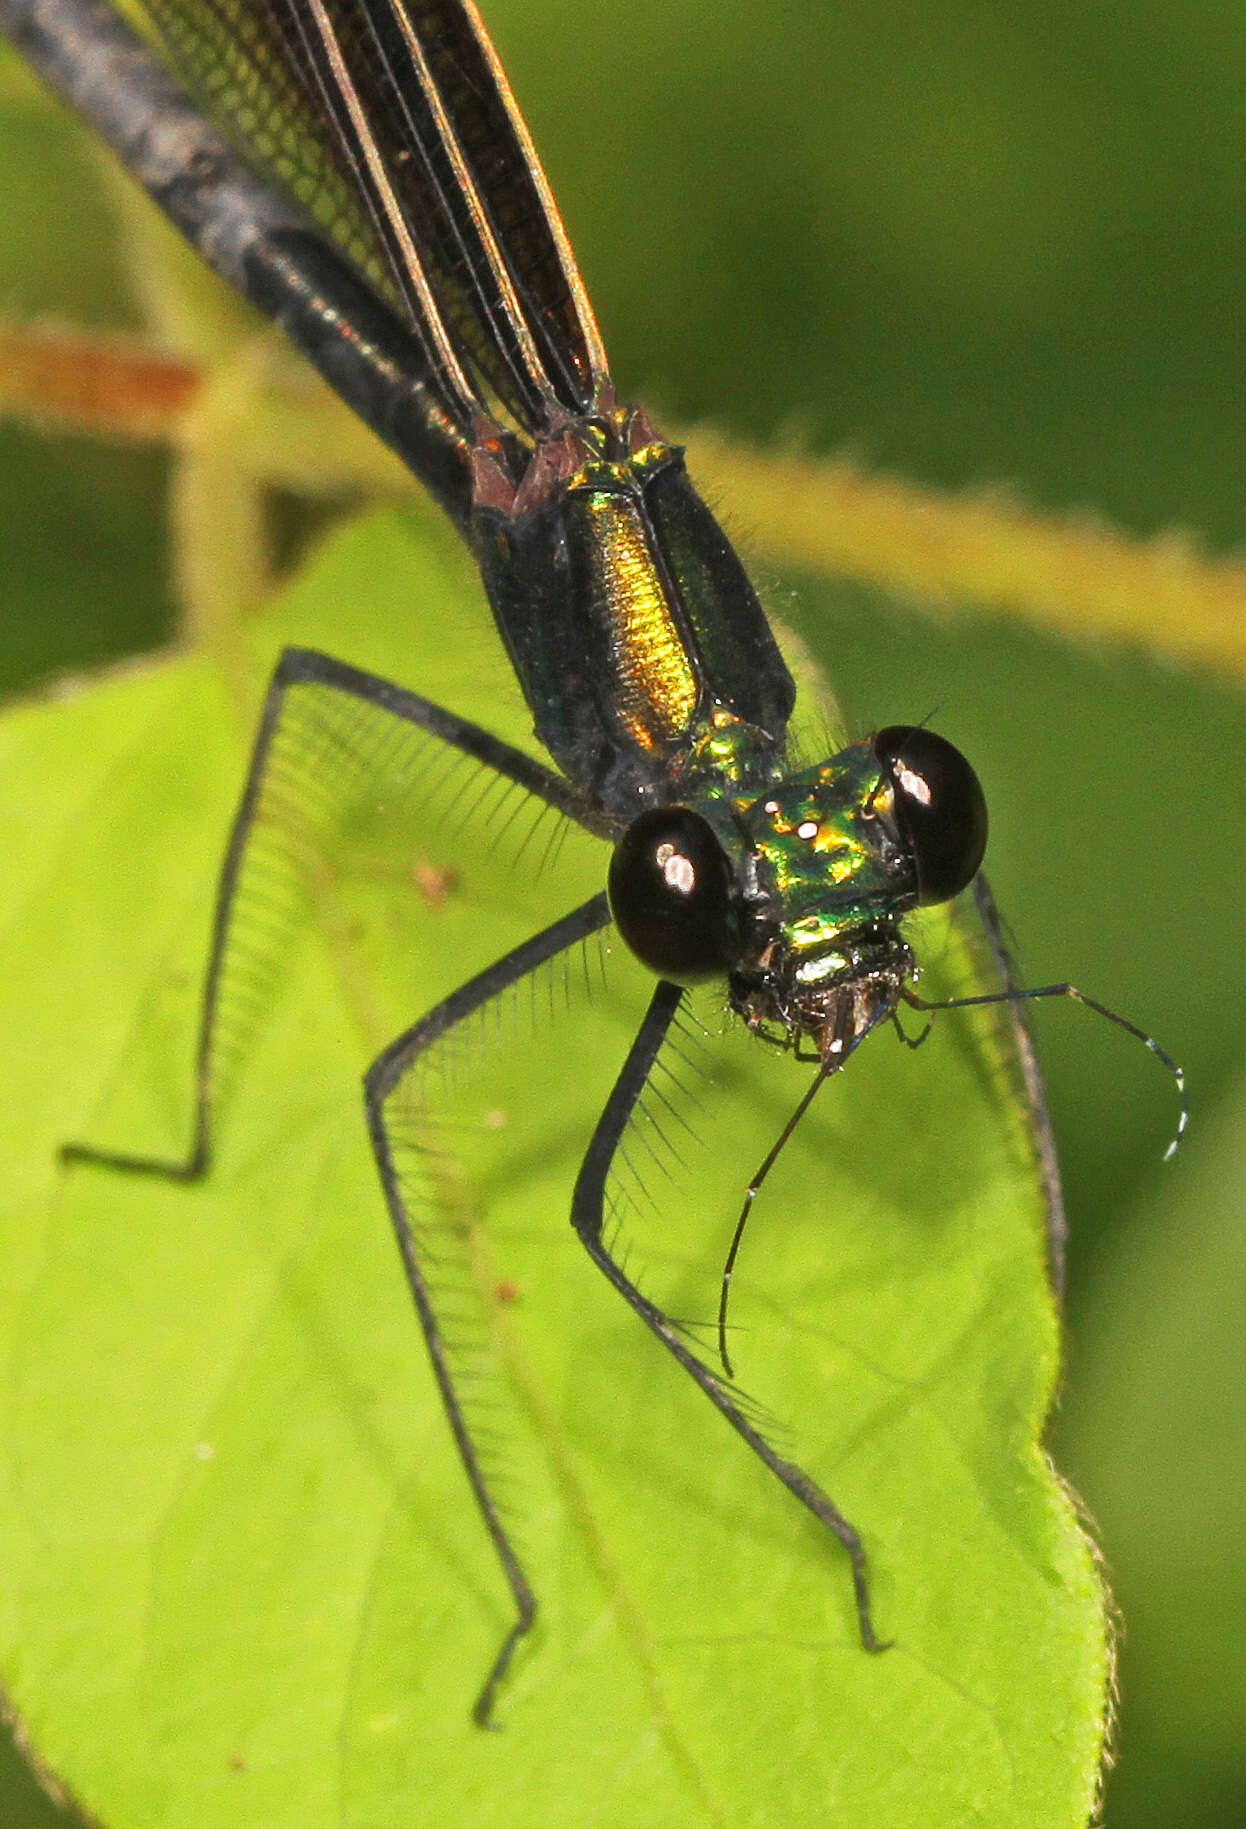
(837, 856)
(796, 894)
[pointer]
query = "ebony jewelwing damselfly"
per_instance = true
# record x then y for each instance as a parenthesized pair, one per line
(422, 265)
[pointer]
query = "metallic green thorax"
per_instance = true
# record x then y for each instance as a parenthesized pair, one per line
(826, 879)
(826, 852)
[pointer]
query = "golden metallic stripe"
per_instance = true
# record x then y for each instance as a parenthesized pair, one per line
(655, 688)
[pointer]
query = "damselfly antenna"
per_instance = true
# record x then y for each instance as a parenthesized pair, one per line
(833, 1057)
(818, 1081)
(1101, 1009)
(831, 1062)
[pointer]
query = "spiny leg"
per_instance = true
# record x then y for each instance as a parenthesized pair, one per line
(386, 1077)
(298, 790)
(587, 1216)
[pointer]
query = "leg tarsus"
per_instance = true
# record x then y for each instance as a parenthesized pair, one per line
(870, 1640)
(194, 1168)
(482, 1709)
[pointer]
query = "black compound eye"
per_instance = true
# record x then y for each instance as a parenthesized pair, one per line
(940, 808)
(670, 895)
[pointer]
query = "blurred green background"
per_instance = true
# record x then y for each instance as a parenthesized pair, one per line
(979, 244)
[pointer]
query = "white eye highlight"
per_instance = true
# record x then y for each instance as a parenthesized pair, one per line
(808, 828)
(677, 870)
(915, 786)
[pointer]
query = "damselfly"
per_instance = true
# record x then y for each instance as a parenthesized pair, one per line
(413, 250)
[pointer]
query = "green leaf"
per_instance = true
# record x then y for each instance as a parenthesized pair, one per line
(1159, 1438)
(244, 1582)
